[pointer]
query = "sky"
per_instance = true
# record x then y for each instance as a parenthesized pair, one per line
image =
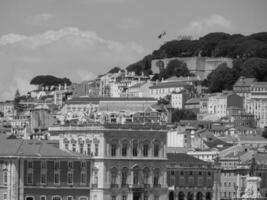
(81, 39)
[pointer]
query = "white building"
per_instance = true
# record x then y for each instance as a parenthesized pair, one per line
(258, 108)
(139, 90)
(161, 90)
(178, 99)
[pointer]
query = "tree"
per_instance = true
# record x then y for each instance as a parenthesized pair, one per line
(255, 68)
(183, 114)
(175, 67)
(49, 80)
(221, 78)
(165, 101)
(114, 70)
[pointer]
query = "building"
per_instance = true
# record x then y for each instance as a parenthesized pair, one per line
(258, 108)
(217, 104)
(136, 104)
(162, 89)
(242, 86)
(193, 104)
(128, 162)
(7, 108)
(31, 170)
(259, 90)
(80, 89)
(139, 90)
(200, 66)
(178, 99)
(190, 178)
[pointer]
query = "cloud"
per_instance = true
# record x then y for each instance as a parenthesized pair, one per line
(129, 23)
(213, 23)
(43, 19)
(67, 52)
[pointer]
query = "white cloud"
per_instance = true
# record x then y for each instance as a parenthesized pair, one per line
(213, 23)
(68, 52)
(129, 23)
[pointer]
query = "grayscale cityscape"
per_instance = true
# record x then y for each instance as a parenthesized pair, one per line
(133, 100)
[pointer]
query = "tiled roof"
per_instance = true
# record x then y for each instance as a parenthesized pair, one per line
(259, 84)
(32, 149)
(137, 85)
(252, 138)
(184, 158)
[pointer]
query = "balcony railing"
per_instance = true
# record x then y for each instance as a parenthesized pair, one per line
(146, 186)
(124, 185)
(94, 185)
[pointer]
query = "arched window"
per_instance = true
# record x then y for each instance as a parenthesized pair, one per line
(146, 175)
(113, 149)
(156, 177)
(136, 172)
(208, 196)
(145, 149)
(135, 148)
(199, 196)
(181, 196)
(113, 176)
(124, 148)
(124, 175)
(156, 149)
(190, 196)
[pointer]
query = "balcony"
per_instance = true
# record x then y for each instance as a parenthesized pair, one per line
(114, 186)
(137, 186)
(94, 185)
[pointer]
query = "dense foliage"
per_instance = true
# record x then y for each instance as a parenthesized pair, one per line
(114, 70)
(210, 45)
(49, 80)
(175, 68)
(183, 114)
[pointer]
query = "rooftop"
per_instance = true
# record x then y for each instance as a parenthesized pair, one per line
(32, 149)
(184, 158)
(193, 101)
(242, 81)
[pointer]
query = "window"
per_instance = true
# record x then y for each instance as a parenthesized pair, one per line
(83, 178)
(30, 165)
(113, 176)
(124, 177)
(83, 198)
(181, 173)
(5, 177)
(56, 178)
(56, 198)
(67, 146)
(83, 165)
(81, 148)
(96, 149)
(43, 179)
(70, 165)
(146, 175)
(135, 145)
(145, 150)
(136, 176)
(113, 197)
(89, 149)
(156, 150)
(74, 147)
(43, 164)
(113, 149)
(156, 177)
(156, 197)
(29, 178)
(56, 166)
(42, 197)
(70, 198)
(124, 197)
(70, 178)
(124, 149)
(5, 196)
